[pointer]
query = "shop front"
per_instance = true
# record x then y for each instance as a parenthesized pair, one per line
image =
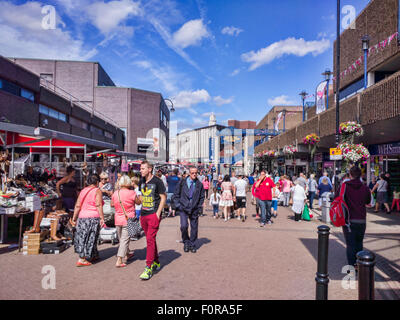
(385, 158)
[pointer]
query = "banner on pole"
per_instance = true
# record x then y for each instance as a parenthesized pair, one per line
(320, 97)
(278, 119)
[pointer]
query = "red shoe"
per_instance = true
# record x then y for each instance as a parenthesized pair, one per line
(83, 264)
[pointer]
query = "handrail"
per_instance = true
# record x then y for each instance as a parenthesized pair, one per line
(51, 86)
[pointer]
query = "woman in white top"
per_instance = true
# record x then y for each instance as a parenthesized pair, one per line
(299, 198)
(214, 202)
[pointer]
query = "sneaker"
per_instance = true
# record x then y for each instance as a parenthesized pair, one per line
(262, 225)
(147, 273)
(243, 218)
(239, 218)
(269, 222)
(156, 266)
(225, 220)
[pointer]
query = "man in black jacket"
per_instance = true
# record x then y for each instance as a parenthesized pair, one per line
(188, 200)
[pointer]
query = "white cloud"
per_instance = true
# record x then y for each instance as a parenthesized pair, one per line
(169, 79)
(187, 99)
(281, 101)
(290, 46)
(232, 31)
(190, 34)
(107, 17)
(22, 35)
(208, 114)
(235, 72)
(219, 101)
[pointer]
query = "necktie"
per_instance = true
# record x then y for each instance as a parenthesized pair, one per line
(191, 190)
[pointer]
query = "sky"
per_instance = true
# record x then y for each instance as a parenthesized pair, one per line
(235, 58)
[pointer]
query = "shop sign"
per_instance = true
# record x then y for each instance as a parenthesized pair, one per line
(389, 149)
(335, 154)
(318, 157)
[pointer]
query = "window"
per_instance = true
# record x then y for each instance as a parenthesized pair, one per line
(52, 113)
(108, 135)
(27, 94)
(78, 123)
(96, 130)
(1, 84)
(47, 76)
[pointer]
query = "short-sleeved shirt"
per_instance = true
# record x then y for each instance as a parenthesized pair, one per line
(151, 195)
(240, 186)
(127, 198)
(173, 181)
(382, 186)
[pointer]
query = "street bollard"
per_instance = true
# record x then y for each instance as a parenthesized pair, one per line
(366, 275)
(322, 279)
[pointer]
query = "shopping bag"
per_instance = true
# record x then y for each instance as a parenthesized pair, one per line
(306, 213)
(373, 201)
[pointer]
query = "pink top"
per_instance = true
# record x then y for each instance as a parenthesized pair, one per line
(226, 188)
(128, 200)
(206, 184)
(286, 186)
(88, 206)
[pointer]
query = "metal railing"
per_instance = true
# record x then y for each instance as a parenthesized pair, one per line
(75, 101)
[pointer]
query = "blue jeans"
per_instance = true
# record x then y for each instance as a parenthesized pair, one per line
(265, 206)
(312, 196)
(215, 209)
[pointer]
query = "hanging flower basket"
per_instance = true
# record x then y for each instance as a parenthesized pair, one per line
(311, 139)
(354, 153)
(351, 127)
(289, 149)
(271, 153)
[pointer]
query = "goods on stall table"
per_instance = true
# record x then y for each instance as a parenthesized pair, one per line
(31, 244)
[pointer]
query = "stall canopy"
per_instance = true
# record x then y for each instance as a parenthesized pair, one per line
(25, 136)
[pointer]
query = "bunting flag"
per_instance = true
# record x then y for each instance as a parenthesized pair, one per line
(359, 62)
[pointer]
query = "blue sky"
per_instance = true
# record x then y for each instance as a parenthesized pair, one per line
(234, 58)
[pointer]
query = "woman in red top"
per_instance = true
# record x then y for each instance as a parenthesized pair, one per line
(206, 186)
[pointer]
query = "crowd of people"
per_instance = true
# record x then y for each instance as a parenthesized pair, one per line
(185, 194)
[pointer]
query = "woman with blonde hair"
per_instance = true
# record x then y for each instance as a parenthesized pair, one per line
(124, 201)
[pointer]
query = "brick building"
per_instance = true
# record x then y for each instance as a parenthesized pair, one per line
(25, 101)
(142, 115)
(377, 108)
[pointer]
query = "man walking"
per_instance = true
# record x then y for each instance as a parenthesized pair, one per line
(240, 196)
(172, 181)
(188, 200)
(154, 198)
(263, 192)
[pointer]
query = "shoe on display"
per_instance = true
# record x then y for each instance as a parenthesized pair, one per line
(147, 274)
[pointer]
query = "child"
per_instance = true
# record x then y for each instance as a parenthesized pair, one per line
(275, 197)
(135, 182)
(214, 202)
(396, 199)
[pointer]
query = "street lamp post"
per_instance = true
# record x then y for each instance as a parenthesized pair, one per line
(365, 47)
(284, 120)
(337, 83)
(327, 74)
(172, 105)
(303, 95)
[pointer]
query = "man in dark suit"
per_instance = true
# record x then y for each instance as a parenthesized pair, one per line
(188, 200)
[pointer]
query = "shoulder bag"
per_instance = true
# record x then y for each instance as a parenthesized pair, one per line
(133, 224)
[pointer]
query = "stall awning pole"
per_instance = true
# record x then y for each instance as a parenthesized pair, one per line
(12, 157)
(51, 146)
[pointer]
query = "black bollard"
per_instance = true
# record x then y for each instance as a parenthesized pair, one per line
(322, 273)
(366, 275)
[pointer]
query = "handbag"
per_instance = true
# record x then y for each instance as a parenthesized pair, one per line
(306, 213)
(133, 224)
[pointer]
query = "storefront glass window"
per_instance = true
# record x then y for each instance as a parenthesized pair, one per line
(27, 94)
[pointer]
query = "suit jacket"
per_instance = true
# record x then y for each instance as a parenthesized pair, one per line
(181, 199)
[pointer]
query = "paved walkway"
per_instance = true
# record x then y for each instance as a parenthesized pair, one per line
(235, 261)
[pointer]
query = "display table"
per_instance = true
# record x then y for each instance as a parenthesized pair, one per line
(3, 232)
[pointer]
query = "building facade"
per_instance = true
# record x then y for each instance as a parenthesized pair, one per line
(25, 101)
(142, 115)
(376, 108)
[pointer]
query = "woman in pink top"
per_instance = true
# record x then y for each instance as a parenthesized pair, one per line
(227, 195)
(89, 209)
(206, 185)
(124, 200)
(287, 185)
